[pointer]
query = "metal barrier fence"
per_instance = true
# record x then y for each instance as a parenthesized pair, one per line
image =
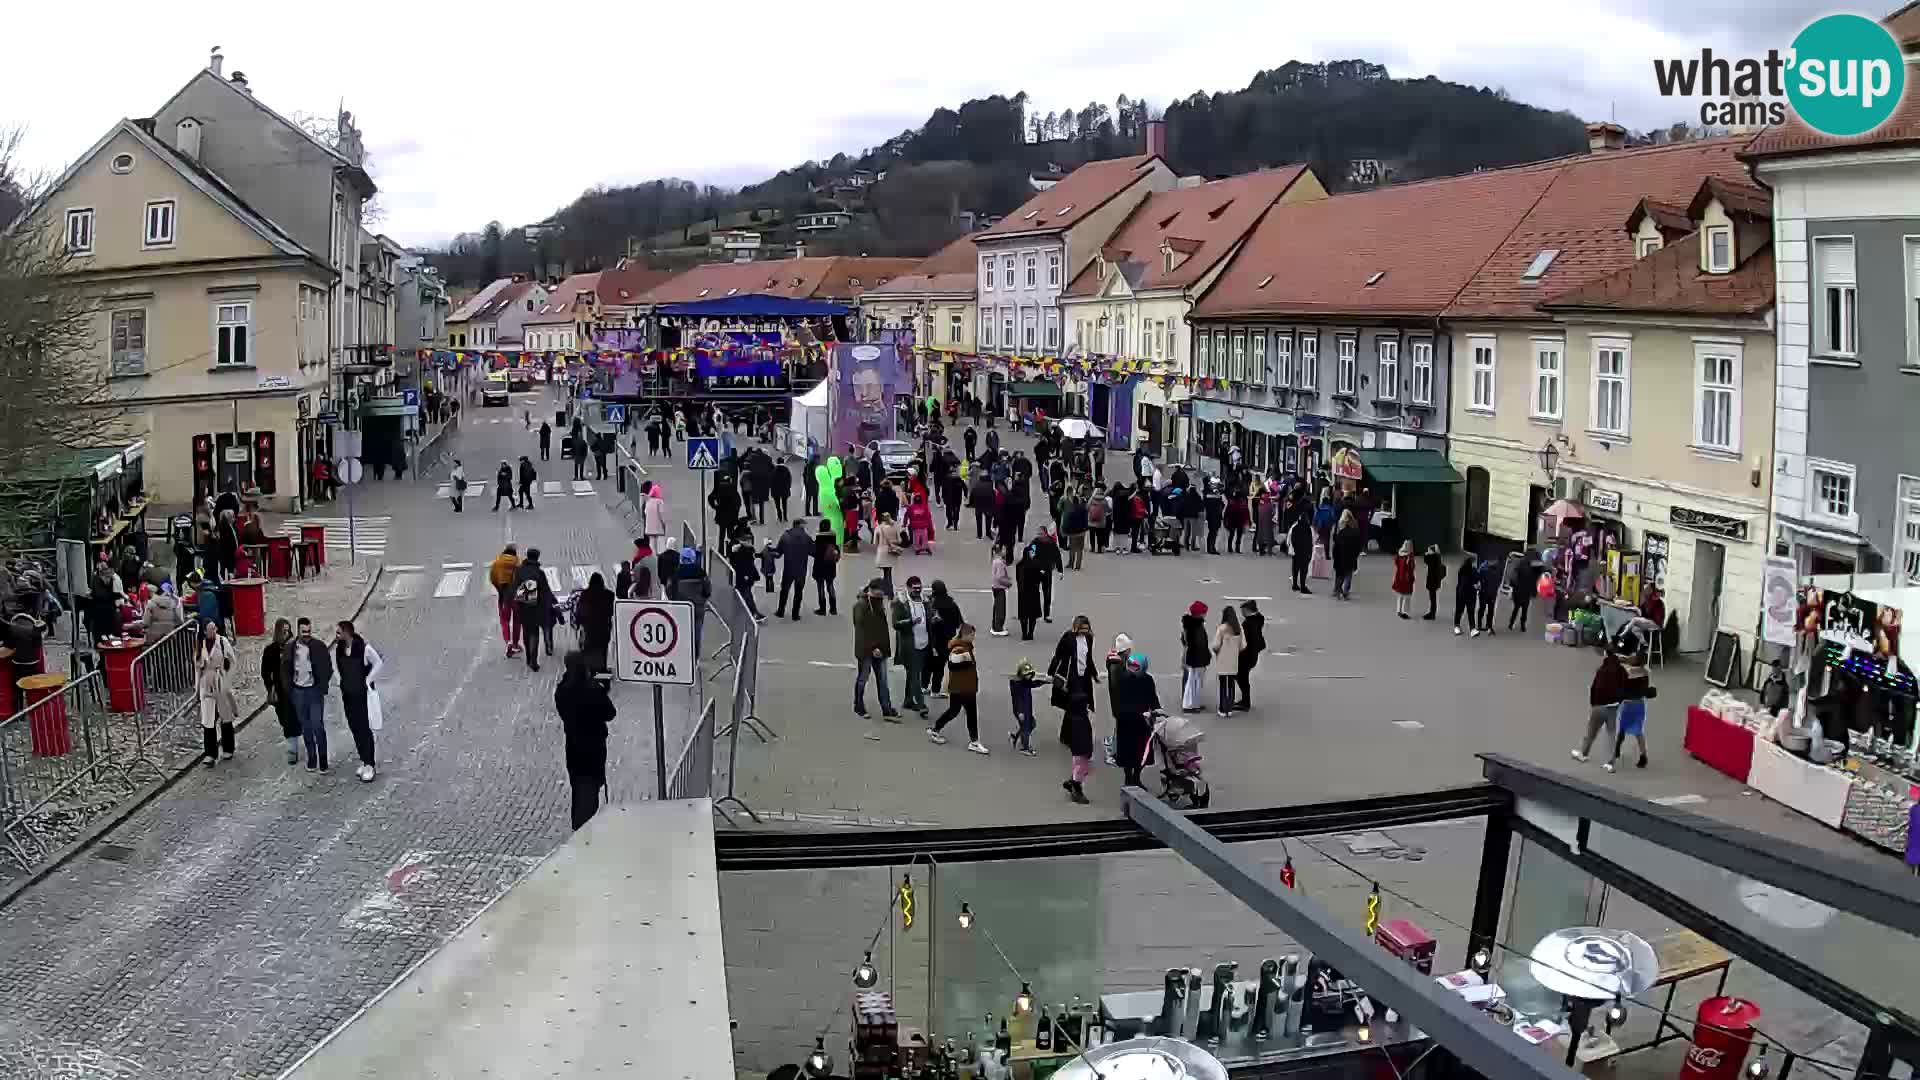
(692, 773)
(72, 754)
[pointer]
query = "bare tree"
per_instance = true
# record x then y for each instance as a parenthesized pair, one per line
(57, 396)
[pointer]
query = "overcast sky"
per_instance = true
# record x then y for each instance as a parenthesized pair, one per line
(490, 111)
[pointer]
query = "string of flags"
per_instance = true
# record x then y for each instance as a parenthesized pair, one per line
(1108, 368)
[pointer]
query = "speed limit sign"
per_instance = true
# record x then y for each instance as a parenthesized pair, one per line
(654, 642)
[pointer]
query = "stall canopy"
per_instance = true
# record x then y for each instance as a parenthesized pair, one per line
(1034, 388)
(1409, 467)
(753, 305)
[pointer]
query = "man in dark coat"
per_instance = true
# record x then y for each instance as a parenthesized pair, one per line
(872, 645)
(796, 548)
(982, 498)
(1253, 642)
(1135, 700)
(1348, 541)
(725, 502)
(1300, 548)
(533, 600)
(782, 488)
(943, 621)
(546, 440)
(810, 483)
(970, 438)
(585, 712)
(527, 478)
(1047, 549)
(503, 488)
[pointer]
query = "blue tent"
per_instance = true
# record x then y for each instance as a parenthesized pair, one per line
(750, 305)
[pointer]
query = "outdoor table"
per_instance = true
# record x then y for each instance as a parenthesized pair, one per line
(249, 597)
(253, 559)
(316, 535)
(47, 714)
(1726, 746)
(1814, 790)
(124, 692)
(280, 557)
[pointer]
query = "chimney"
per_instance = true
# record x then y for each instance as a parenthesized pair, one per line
(239, 81)
(215, 62)
(1157, 138)
(186, 138)
(1605, 135)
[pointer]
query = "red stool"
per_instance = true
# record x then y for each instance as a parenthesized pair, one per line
(47, 715)
(280, 557)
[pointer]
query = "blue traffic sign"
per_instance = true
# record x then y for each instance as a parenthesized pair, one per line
(410, 396)
(703, 453)
(616, 414)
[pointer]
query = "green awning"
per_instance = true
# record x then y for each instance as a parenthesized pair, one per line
(1033, 389)
(1408, 467)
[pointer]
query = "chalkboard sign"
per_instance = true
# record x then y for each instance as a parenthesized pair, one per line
(1724, 659)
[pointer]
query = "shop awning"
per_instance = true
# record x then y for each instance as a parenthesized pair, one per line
(1034, 388)
(1409, 467)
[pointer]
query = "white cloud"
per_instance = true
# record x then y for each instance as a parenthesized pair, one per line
(504, 111)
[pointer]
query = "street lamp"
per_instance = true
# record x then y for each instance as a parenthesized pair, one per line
(1549, 459)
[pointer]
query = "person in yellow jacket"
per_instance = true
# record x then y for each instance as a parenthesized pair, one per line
(500, 574)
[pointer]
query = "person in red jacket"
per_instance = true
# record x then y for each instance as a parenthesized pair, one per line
(1403, 579)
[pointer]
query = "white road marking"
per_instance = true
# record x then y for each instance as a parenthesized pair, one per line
(475, 489)
(552, 574)
(581, 574)
(1246, 598)
(406, 586)
(829, 663)
(583, 487)
(551, 488)
(456, 566)
(404, 569)
(1688, 799)
(452, 583)
(1408, 725)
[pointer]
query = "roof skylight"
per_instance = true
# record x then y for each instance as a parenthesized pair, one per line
(1538, 267)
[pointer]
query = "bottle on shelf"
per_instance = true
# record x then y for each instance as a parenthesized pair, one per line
(1003, 1042)
(1096, 1033)
(1043, 1034)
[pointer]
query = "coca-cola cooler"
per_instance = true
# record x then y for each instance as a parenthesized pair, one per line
(1722, 1036)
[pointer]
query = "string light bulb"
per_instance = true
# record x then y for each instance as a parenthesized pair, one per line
(818, 1064)
(1363, 1033)
(1482, 961)
(1023, 1001)
(866, 975)
(1616, 1015)
(1758, 1069)
(966, 917)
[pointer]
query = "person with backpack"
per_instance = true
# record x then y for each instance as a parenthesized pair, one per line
(1097, 522)
(532, 600)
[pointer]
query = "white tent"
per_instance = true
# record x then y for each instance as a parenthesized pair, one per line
(812, 420)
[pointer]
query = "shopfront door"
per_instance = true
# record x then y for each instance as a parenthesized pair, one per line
(1709, 567)
(1479, 494)
(1152, 428)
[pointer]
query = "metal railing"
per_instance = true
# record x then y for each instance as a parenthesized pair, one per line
(72, 754)
(692, 774)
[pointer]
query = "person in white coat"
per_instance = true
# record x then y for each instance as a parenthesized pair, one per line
(214, 661)
(653, 517)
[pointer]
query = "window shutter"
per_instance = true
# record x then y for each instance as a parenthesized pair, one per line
(1835, 262)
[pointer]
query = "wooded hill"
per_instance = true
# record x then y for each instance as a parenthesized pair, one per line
(1349, 119)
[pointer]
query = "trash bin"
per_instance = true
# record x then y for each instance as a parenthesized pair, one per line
(1722, 1035)
(47, 720)
(249, 598)
(124, 692)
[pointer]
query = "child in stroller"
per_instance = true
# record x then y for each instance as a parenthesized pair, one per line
(1164, 535)
(1181, 784)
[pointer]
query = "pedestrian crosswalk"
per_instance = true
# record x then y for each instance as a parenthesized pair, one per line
(475, 489)
(454, 580)
(365, 535)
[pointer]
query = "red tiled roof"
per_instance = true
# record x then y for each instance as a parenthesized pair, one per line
(559, 305)
(1426, 239)
(952, 269)
(1904, 25)
(1202, 222)
(1738, 198)
(1078, 194)
(1670, 281)
(1668, 218)
(1902, 128)
(812, 278)
(1579, 215)
(628, 281)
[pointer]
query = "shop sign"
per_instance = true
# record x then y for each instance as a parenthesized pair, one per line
(1607, 502)
(1731, 528)
(235, 454)
(1345, 464)
(274, 382)
(1653, 552)
(1847, 620)
(1306, 425)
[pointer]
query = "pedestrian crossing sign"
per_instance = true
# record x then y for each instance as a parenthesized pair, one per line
(616, 414)
(703, 453)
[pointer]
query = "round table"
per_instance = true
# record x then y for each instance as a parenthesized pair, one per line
(47, 714)
(124, 691)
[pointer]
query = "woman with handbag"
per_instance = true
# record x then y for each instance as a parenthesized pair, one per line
(457, 485)
(213, 662)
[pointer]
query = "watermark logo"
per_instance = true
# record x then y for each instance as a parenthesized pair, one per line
(1844, 75)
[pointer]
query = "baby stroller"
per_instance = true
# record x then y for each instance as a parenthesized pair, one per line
(1164, 536)
(1181, 785)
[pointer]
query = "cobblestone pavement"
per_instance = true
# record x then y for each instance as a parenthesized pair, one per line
(231, 923)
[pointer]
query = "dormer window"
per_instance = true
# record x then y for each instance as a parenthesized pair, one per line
(1166, 260)
(1645, 246)
(1719, 241)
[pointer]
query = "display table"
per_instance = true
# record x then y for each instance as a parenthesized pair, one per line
(1728, 747)
(124, 692)
(249, 606)
(47, 714)
(1814, 790)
